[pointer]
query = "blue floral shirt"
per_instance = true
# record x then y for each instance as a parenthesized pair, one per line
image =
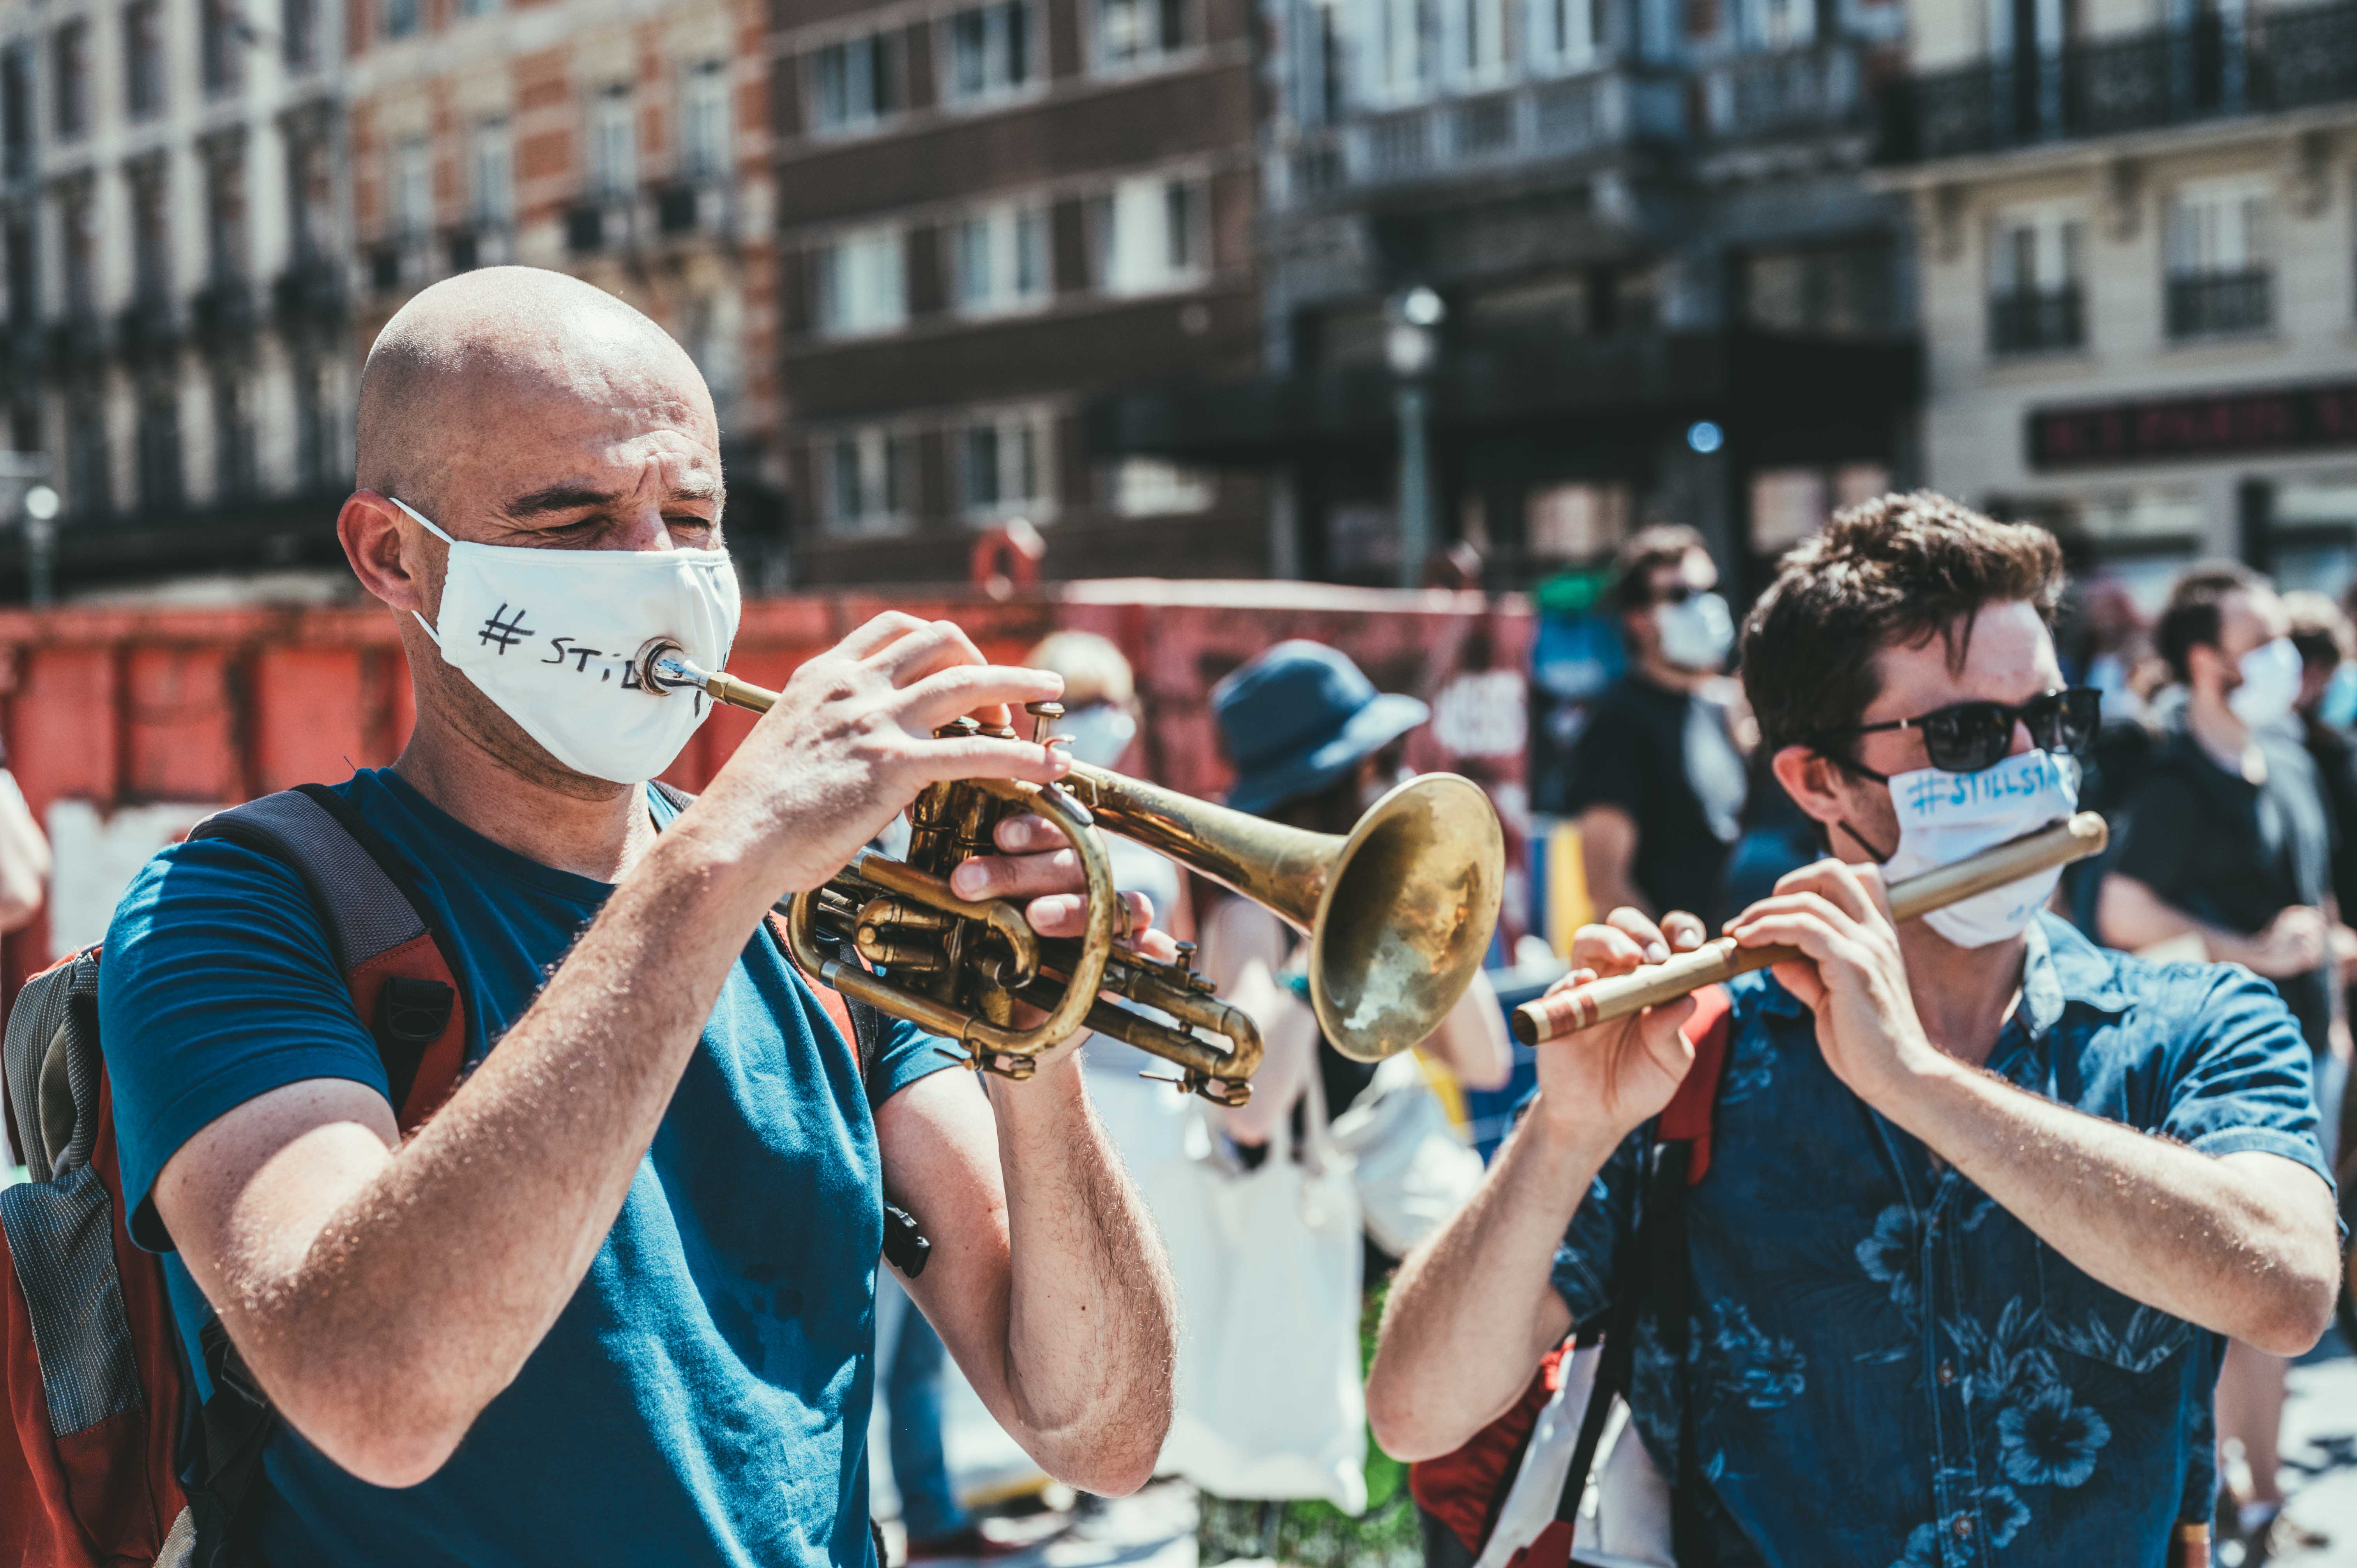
(1887, 1370)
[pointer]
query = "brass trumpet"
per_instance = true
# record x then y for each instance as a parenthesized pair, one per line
(1398, 912)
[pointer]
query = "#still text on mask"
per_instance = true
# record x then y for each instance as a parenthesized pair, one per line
(1943, 817)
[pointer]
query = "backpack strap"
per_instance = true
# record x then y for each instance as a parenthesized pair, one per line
(400, 968)
(1676, 1158)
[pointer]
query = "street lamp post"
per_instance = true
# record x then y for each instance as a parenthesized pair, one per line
(40, 544)
(1410, 346)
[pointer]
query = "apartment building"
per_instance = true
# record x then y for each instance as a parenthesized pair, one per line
(178, 363)
(626, 144)
(2139, 251)
(990, 214)
(1634, 237)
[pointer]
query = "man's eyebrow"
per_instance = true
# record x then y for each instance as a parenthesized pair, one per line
(561, 498)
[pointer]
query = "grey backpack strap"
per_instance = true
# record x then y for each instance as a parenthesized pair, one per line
(367, 913)
(52, 1067)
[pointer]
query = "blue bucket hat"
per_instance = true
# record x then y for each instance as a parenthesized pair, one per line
(1298, 717)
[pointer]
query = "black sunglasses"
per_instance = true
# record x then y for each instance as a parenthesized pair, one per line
(1966, 737)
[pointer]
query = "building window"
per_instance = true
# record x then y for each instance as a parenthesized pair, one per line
(1131, 34)
(867, 479)
(412, 188)
(855, 85)
(71, 50)
(1151, 235)
(703, 122)
(221, 46)
(1399, 48)
(313, 451)
(613, 145)
(1764, 25)
(298, 33)
(477, 7)
(225, 214)
(1149, 486)
(401, 17)
(151, 233)
(2219, 280)
(999, 259)
(89, 477)
(1828, 291)
(989, 52)
(1474, 41)
(2035, 303)
(16, 67)
(24, 277)
(491, 174)
(310, 176)
(233, 478)
(1563, 34)
(862, 285)
(1003, 467)
(142, 59)
(159, 450)
(78, 218)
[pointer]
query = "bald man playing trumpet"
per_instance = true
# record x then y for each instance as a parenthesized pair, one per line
(614, 1303)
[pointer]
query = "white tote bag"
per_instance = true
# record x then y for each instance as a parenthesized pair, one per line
(1411, 1168)
(1270, 1405)
(1624, 1518)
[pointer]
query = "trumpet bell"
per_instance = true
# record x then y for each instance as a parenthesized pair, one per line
(1406, 916)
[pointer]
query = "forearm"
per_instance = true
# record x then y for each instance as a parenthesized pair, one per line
(1474, 1308)
(1091, 1310)
(421, 1295)
(2199, 1238)
(2131, 916)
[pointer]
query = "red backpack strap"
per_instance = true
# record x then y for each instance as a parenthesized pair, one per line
(380, 928)
(1688, 1118)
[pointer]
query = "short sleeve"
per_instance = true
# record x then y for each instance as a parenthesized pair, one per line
(1607, 764)
(216, 985)
(1588, 1263)
(908, 1054)
(2246, 1080)
(2161, 824)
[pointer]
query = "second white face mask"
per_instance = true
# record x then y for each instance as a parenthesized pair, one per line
(1696, 632)
(1943, 817)
(2270, 683)
(553, 637)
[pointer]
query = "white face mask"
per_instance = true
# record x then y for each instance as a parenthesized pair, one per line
(2270, 683)
(1100, 732)
(553, 637)
(1696, 633)
(1943, 817)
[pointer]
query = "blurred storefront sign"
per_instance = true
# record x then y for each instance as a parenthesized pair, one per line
(125, 727)
(2210, 424)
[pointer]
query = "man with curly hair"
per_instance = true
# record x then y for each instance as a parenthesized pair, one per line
(1985, 1201)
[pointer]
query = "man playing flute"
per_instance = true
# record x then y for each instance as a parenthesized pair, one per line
(1985, 1201)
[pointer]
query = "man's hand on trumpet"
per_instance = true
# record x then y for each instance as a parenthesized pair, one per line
(1606, 1081)
(1853, 976)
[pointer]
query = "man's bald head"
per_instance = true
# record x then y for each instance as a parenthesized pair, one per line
(456, 369)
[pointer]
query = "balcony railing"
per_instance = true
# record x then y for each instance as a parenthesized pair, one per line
(2211, 68)
(2035, 321)
(1793, 90)
(2204, 304)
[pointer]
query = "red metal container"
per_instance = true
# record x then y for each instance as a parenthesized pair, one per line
(125, 725)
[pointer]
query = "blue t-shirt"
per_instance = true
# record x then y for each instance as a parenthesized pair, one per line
(704, 1397)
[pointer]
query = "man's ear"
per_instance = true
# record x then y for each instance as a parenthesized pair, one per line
(1808, 777)
(2205, 666)
(376, 547)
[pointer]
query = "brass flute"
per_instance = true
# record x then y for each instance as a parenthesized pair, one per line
(1600, 1000)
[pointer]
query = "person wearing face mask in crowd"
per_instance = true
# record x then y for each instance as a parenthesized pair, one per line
(1657, 780)
(613, 1302)
(1314, 745)
(2327, 705)
(2226, 849)
(1950, 1297)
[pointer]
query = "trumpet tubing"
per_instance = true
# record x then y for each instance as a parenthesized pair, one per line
(1398, 913)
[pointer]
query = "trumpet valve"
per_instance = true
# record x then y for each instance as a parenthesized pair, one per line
(1043, 726)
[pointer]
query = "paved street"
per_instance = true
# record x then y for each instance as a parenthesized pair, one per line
(2320, 1445)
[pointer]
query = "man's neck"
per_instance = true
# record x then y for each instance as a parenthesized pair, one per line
(1962, 995)
(2218, 730)
(598, 835)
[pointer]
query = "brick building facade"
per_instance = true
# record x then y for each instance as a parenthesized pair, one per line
(990, 214)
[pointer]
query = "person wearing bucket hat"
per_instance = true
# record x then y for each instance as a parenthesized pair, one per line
(1314, 744)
